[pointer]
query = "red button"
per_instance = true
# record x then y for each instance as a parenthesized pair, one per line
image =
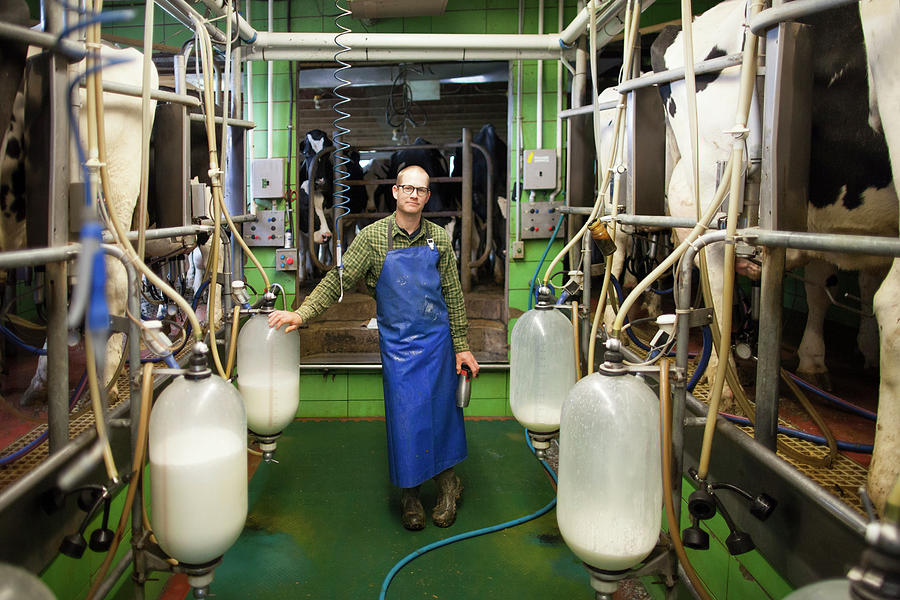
(290, 260)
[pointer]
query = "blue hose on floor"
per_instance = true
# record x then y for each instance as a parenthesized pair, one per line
(21, 343)
(809, 437)
(470, 534)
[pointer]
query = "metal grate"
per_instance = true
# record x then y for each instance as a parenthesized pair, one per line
(79, 422)
(842, 479)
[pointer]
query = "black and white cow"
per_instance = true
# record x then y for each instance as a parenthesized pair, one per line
(317, 193)
(850, 185)
(487, 138)
(123, 140)
(881, 28)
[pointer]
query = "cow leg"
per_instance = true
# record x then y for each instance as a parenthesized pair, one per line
(881, 27)
(885, 467)
(812, 347)
(867, 338)
(37, 388)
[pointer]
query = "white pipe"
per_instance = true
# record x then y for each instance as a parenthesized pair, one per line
(421, 54)
(559, 108)
(270, 77)
(539, 117)
(517, 189)
(250, 155)
(408, 46)
(247, 33)
(579, 24)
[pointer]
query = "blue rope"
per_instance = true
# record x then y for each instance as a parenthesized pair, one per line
(470, 534)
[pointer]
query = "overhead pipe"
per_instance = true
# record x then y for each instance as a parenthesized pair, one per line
(185, 14)
(560, 90)
(400, 47)
(791, 11)
(270, 76)
(245, 30)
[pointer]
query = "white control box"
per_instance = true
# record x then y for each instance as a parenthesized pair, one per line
(267, 178)
(539, 169)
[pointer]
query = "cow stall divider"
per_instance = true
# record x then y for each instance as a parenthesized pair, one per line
(466, 263)
(750, 237)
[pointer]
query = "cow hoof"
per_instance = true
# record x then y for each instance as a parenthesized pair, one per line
(820, 380)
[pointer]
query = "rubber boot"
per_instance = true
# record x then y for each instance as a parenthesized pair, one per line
(412, 512)
(449, 491)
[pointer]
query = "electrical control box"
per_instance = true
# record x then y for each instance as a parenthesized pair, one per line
(267, 177)
(539, 219)
(539, 169)
(285, 259)
(267, 230)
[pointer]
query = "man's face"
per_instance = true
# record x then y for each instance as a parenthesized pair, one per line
(409, 193)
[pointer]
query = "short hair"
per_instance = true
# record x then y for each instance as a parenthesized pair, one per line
(412, 168)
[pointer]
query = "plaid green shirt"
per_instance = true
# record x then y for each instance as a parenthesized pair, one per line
(365, 257)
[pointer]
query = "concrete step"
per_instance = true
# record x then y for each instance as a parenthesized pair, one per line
(479, 305)
(329, 340)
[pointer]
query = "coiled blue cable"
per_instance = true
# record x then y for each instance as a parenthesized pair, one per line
(470, 534)
(541, 262)
(341, 200)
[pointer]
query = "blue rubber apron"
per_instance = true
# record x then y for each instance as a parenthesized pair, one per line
(425, 430)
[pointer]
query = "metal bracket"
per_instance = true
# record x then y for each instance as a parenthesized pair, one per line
(660, 562)
(698, 317)
(119, 324)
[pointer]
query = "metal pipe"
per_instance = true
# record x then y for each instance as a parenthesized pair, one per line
(16, 33)
(650, 79)
(185, 14)
(245, 30)
(465, 252)
(115, 573)
(55, 21)
(419, 47)
(579, 24)
(245, 218)
(626, 219)
(539, 105)
(38, 256)
(791, 11)
(270, 76)
(823, 242)
(831, 504)
(491, 199)
(163, 232)
(218, 120)
(127, 89)
(768, 365)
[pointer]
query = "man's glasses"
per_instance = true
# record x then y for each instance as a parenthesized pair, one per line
(409, 189)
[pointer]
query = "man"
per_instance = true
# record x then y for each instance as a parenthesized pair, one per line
(409, 266)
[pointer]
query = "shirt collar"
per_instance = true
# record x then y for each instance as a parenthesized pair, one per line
(412, 236)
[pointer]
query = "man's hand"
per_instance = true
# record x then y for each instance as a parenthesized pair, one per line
(277, 318)
(462, 358)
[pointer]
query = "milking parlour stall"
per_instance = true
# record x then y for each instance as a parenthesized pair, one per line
(618, 276)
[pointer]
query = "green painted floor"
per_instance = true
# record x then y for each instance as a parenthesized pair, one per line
(324, 523)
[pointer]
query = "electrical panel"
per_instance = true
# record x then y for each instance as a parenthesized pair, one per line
(539, 220)
(539, 169)
(286, 259)
(267, 178)
(267, 230)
